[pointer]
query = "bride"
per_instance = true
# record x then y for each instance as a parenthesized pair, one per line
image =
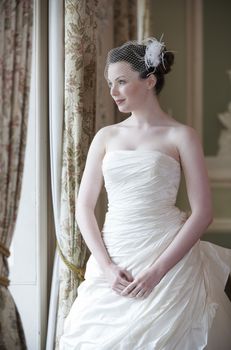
(150, 283)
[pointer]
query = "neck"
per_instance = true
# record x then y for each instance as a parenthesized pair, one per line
(150, 114)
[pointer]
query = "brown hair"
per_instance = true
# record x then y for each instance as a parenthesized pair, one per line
(131, 54)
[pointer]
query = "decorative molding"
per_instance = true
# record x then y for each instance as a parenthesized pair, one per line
(219, 171)
(221, 225)
(224, 141)
(194, 64)
(221, 185)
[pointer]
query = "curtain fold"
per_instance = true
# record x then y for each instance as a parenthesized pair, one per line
(143, 19)
(74, 89)
(104, 104)
(125, 29)
(79, 119)
(79, 115)
(16, 21)
(125, 21)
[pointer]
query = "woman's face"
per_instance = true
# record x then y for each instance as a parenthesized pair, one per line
(126, 88)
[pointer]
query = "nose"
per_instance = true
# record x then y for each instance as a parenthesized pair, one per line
(114, 90)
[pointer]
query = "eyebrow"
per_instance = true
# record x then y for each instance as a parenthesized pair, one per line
(121, 76)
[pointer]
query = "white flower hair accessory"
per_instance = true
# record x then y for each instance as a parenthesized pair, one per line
(154, 53)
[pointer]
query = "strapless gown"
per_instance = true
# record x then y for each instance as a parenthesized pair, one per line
(141, 221)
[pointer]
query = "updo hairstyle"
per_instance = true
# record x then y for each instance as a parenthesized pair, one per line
(134, 55)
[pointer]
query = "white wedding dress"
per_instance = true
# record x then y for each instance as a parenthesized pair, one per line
(140, 223)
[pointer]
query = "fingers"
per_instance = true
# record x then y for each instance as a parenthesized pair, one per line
(146, 294)
(127, 275)
(118, 288)
(119, 284)
(129, 289)
(134, 290)
(141, 294)
(122, 281)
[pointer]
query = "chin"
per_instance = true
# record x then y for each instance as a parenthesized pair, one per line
(124, 109)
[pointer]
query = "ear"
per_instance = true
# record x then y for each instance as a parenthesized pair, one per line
(151, 81)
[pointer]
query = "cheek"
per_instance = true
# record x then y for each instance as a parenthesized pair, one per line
(132, 90)
(135, 92)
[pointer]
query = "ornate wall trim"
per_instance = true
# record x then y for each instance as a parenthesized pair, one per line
(221, 225)
(194, 64)
(219, 171)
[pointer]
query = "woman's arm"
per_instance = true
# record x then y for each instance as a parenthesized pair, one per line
(198, 190)
(90, 187)
(199, 195)
(89, 190)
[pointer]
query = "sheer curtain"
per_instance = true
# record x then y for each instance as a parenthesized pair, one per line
(56, 116)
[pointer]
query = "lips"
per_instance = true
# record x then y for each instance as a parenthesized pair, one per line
(118, 102)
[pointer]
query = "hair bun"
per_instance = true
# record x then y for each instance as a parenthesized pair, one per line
(148, 56)
(168, 60)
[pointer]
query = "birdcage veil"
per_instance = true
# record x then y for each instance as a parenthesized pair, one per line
(148, 56)
(144, 56)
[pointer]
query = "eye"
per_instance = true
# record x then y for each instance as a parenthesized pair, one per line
(109, 85)
(122, 82)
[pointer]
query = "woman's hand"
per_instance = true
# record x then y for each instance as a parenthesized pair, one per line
(117, 277)
(143, 284)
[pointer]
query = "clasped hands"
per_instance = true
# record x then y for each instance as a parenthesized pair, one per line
(123, 283)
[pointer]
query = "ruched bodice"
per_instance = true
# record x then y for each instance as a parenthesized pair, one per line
(151, 187)
(142, 187)
(142, 220)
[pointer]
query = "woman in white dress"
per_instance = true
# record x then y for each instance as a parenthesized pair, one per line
(150, 283)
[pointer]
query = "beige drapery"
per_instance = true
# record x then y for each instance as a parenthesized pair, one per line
(16, 19)
(125, 28)
(125, 21)
(88, 34)
(79, 119)
(144, 19)
(116, 24)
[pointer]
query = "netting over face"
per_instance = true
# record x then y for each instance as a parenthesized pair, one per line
(146, 57)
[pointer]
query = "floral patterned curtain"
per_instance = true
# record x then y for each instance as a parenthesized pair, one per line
(15, 69)
(79, 123)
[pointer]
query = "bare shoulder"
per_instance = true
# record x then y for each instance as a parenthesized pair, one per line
(107, 131)
(100, 140)
(187, 143)
(190, 149)
(184, 135)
